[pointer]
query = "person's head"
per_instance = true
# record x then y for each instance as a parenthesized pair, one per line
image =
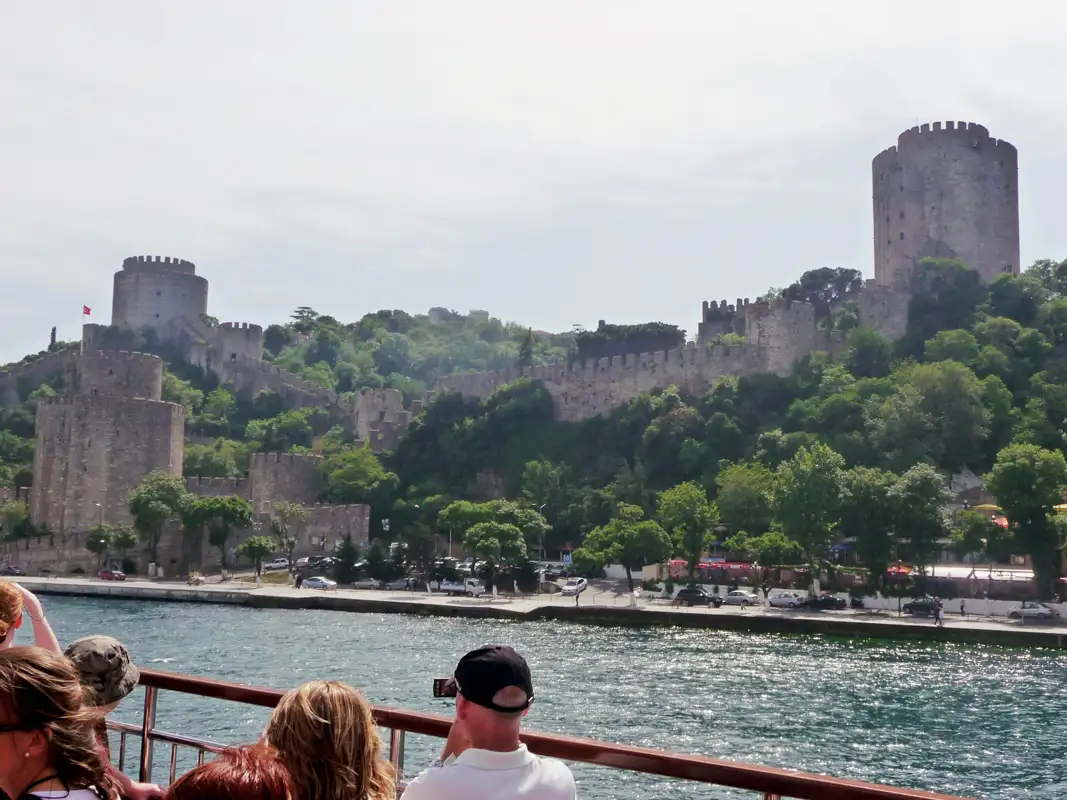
(494, 692)
(325, 735)
(45, 728)
(243, 773)
(104, 668)
(10, 613)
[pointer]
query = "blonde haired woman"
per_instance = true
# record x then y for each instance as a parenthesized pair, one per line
(14, 601)
(325, 735)
(47, 745)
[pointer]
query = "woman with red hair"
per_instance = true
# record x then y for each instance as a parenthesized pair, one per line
(243, 773)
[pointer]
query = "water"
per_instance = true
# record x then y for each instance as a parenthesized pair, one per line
(969, 720)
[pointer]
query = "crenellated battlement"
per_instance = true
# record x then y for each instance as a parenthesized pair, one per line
(249, 327)
(212, 487)
(920, 136)
(290, 459)
(155, 263)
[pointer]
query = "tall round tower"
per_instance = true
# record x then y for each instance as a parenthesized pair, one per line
(151, 291)
(946, 191)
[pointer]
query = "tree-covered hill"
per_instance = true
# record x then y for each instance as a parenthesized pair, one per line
(858, 449)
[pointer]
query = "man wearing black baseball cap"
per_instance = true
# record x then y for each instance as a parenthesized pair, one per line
(483, 758)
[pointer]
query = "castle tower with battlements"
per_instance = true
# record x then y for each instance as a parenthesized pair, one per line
(97, 441)
(947, 190)
(151, 291)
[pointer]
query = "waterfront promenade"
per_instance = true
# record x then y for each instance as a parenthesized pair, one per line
(600, 607)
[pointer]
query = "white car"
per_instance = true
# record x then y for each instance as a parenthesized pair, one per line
(741, 597)
(319, 583)
(365, 583)
(301, 563)
(1032, 610)
(575, 586)
(275, 564)
(787, 600)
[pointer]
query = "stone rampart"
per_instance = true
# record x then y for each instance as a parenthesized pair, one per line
(217, 487)
(34, 373)
(56, 554)
(284, 477)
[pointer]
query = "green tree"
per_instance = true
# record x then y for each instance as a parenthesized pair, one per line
(286, 525)
(629, 539)
(919, 498)
(972, 533)
(1028, 482)
(772, 548)
(868, 513)
(526, 351)
(807, 501)
(347, 555)
(869, 354)
(685, 512)
(100, 540)
(222, 516)
(125, 538)
(15, 520)
(744, 498)
(495, 543)
(355, 475)
(158, 499)
(255, 549)
(420, 549)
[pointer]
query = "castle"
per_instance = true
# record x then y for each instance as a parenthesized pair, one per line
(944, 191)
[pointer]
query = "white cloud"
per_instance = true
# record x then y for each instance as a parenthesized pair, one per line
(310, 146)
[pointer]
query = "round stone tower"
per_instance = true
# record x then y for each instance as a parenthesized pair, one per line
(151, 291)
(946, 191)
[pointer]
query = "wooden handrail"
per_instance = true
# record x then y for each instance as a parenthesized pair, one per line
(768, 780)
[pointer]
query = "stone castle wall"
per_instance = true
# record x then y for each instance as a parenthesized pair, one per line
(289, 477)
(946, 191)
(777, 335)
(93, 451)
(34, 373)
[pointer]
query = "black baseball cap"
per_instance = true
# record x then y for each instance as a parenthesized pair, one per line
(483, 672)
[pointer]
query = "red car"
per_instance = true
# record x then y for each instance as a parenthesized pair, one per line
(112, 575)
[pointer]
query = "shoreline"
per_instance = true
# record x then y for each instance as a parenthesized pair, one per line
(610, 609)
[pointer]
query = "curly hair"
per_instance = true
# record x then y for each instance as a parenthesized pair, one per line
(10, 608)
(325, 735)
(42, 691)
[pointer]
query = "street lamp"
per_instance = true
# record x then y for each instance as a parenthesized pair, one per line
(541, 511)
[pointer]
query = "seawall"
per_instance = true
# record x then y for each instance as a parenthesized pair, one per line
(971, 631)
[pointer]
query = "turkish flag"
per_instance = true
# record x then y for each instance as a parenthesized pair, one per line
(86, 311)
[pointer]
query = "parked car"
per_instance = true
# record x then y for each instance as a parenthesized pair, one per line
(921, 607)
(319, 583)
(276, 564)
(1032, 610)
(695, 596)
(787, 600)
(742, 597)
(111, 575)
(11, 569)
(399, 583)
(575, 586)
(301, 563)
(468, 586)
(827, 602)
(366, 583)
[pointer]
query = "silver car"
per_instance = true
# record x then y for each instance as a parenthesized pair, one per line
(742, 597)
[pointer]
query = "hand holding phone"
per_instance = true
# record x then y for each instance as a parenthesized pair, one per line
(444, 687)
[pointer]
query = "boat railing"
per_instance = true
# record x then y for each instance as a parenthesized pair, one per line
(770, 782)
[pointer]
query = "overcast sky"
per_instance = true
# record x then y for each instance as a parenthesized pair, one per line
(554, 162)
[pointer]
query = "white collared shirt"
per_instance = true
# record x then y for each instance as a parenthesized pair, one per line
(488, 775)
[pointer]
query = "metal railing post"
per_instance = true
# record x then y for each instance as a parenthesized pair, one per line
(148, 726)
(396, 749)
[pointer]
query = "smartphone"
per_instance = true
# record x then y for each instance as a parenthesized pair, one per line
(444, 687)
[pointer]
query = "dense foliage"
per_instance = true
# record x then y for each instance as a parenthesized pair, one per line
(780, 468)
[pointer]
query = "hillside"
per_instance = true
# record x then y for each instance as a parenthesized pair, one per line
(859, 448)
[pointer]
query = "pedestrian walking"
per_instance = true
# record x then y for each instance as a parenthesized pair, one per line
(962, 607)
